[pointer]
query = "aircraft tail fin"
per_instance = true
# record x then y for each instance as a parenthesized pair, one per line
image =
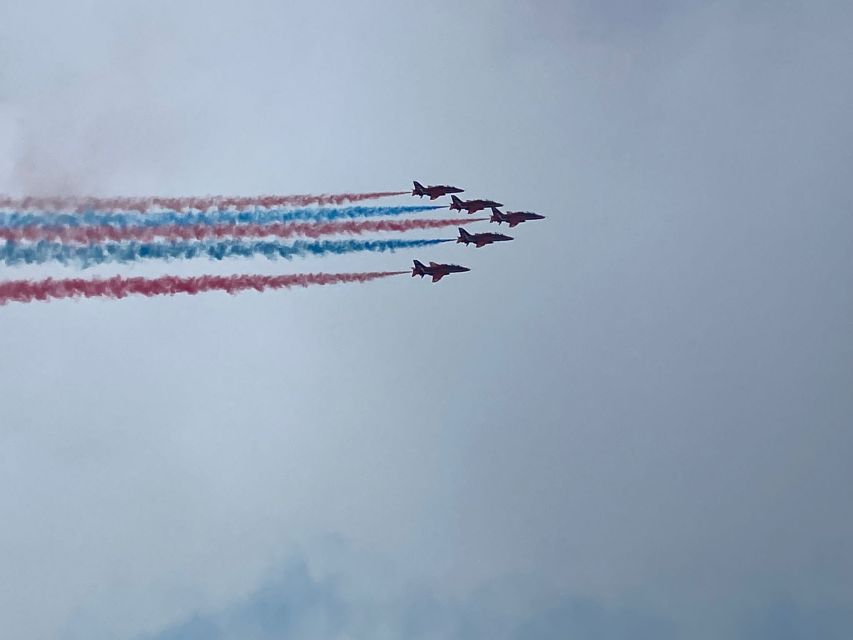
(456, 204)
(464, 236)
(497, 216)
(419, 269)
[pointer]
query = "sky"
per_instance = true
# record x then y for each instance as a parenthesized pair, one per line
(633, 421)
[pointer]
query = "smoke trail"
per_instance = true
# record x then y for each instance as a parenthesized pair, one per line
(256, 216)
(89, 255)
(118, 287)
(202, 203)
(89, 235)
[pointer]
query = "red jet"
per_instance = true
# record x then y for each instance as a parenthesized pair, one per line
(480, 239)
(513, 217)
(437, 271)
(433, 192)
(472, 206)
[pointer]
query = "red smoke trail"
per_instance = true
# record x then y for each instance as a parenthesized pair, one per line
(118, 287)
(142, 204)
(90, 235)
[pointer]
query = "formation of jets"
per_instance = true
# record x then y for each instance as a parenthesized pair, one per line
(512, 218)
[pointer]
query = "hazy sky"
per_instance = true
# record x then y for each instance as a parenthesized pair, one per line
(634, 421)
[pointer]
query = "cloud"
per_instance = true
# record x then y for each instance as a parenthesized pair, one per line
(297, 604)
(350, 600)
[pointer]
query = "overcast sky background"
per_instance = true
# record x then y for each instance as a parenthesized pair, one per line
(634, 421)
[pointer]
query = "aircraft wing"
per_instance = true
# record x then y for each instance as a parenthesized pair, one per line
(437, 276)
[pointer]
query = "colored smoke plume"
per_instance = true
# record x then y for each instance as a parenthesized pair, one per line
(118, 287)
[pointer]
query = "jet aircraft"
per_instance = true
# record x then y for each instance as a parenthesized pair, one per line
(472, 206)
(480, 239)
(513, 217)
(433, 191)
(437, 271)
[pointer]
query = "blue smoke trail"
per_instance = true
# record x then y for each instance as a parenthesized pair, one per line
(156, 219)
(88, 255)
